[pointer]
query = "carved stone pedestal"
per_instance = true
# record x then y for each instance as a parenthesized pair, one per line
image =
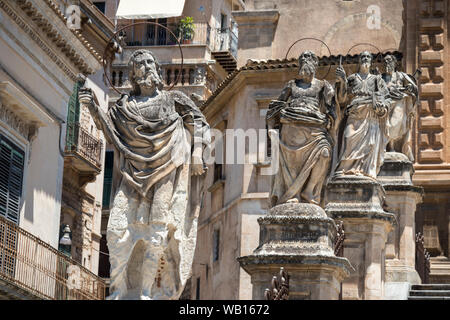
(401, 199)
(298, 237)
(358, 202)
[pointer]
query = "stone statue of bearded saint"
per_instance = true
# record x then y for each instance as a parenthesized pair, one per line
(403, 94)
(303, 114)
(152, 226)
(363, 95)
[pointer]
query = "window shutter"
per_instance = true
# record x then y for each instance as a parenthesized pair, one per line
(11, 176)
(73, 116)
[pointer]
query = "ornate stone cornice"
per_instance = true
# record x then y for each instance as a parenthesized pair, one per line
(14, 121)
(53, 34)
(33, 35)
(77, 33)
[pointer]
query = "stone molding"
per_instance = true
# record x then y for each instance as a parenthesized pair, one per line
(14, 121)
(47, 28)
(20, 113)
(432, 38)
(256, 18)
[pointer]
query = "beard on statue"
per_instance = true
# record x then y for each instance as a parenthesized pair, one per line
(307, 69)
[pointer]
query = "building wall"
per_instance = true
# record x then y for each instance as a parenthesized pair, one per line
(24, 64)
(340, 24)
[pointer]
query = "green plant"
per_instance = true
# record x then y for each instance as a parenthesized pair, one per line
(185, 28)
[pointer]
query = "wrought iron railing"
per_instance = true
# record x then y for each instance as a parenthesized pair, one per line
(225, 40)
(279, 287)
(80, 141)
(217, 39)
(153, 35)
(34, 266)
(422, 258)
(339, 240)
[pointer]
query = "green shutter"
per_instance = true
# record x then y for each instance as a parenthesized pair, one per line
(107, 178)
(11, 176)
(73, 117)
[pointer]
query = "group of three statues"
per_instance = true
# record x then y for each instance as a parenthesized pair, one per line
(152, 225)
(328, 133)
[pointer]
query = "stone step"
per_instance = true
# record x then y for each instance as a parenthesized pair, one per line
(430, 286)
(427, 298)
(442, 293)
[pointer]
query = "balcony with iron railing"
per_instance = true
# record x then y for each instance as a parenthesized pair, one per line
(224, 48)
(32, 269)
(222, 44)
(154, 35)
(83, 150)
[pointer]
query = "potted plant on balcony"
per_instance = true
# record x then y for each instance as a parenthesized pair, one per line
(185, 30)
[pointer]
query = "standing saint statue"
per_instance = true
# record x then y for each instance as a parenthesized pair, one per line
(403, 93)
(363, 95)
(303, 114)
(152, 226)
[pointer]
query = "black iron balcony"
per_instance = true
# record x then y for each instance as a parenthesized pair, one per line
(224, 48)
(84, 149)
(154, 35)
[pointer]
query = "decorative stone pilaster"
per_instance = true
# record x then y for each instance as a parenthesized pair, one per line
(358, 202)
(402, 198)
(298, 237)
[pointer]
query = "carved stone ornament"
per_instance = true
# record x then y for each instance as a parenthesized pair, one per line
(14, 121)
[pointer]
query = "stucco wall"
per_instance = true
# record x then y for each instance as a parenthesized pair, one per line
(24, 65)
(340, 24)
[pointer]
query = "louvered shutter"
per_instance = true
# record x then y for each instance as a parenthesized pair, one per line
(11, 176)
(73, 117)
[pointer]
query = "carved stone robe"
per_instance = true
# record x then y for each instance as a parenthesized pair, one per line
(303, 116)
(362, 147)
(153, 220)
(401, 112)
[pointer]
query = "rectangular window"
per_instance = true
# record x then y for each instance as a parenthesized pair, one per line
(216, 243)
(107, 179)
(11, 176)
(101, 6)
(223, 21)
(217, 172)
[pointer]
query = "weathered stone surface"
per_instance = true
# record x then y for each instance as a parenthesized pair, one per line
(402, 198)
(304, 115)
(356, 196)
(152, 226)
(300, 238)
(403, 97)
(358, 201)
(363, 98)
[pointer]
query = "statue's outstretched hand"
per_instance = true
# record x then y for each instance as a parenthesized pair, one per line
(85, 96)
(197, 166)
(340, 74)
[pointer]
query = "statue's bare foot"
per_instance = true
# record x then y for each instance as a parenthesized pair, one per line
(293, 200)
